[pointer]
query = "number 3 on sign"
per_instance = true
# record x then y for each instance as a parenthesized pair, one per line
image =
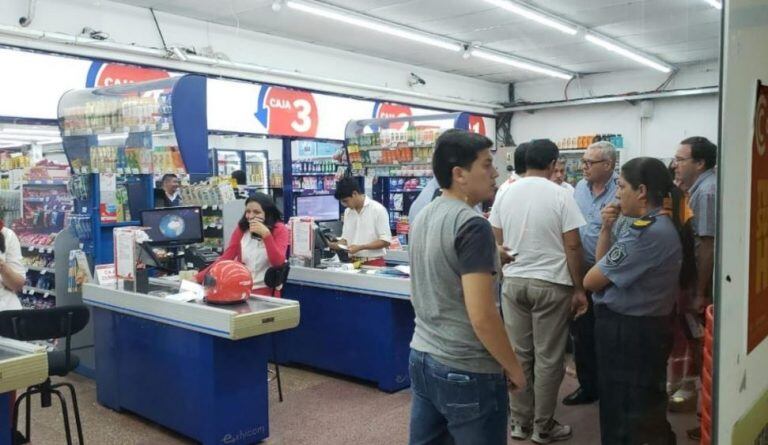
(303, 122)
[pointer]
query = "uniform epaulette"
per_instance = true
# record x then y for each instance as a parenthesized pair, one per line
(643, 223)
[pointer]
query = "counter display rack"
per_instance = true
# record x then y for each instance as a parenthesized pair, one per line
(397, 154)
(118, 139)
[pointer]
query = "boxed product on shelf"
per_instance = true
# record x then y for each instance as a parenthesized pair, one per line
(47, 170)
(583, 141)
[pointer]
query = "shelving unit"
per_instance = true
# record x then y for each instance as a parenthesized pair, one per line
(315, 168)
(118, 140)
(399, 161)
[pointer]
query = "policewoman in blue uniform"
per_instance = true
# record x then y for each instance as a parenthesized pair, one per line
(635, 284)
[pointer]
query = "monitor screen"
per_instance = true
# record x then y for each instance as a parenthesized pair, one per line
(320, 207)
(174, 225)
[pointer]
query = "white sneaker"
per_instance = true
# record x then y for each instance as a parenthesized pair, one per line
(519, 432)
(554, 433)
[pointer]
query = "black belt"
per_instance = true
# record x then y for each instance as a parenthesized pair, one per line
(602, 311)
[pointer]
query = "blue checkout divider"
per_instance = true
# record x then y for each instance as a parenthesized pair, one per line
(211, 389)
(356, 335)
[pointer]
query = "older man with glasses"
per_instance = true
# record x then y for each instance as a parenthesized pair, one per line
(595, 191)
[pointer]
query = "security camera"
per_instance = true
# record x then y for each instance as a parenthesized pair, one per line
(416, 80)
(94, 34)
(24, 21)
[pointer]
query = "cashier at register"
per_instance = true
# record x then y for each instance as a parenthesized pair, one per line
(168, 195)
(366, 231)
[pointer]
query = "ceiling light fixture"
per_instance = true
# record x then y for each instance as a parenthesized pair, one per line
(536, 15)
(13, 143)
(715, 3)
(372, 24)
(618, 49)
(528, 66)
(179, 53)
(32, 131)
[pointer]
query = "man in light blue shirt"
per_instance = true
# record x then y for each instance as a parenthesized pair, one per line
(595, 191)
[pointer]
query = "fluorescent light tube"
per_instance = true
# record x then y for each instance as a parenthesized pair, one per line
(12, 143)
(627, 53)
(373, 25)
(538, 17)
(715, 3)
(520, 64)
(30, 131)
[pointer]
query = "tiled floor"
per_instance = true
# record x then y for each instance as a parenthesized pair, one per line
(319, 409)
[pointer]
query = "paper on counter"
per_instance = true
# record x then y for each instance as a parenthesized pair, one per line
(183, 296)
(404, 269)
(191, 287)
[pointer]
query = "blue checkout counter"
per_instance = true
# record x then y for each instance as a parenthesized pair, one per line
(21, 365)
(197, 369)
(353, 323)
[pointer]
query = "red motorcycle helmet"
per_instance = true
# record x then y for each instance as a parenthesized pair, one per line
(227, 282)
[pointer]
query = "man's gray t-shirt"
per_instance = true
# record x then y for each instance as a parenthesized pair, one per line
(447, 240)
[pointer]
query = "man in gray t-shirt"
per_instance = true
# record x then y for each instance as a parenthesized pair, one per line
(460, 351)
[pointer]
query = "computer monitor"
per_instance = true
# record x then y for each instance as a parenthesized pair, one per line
(320, 207)
(173, 226)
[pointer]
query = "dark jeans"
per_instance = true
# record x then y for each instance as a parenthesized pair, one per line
(583, 335)
(632, 354)
(451, 406)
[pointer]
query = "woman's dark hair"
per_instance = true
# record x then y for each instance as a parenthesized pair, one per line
(272, 214)
(239, 177)
(345, 187)
(2, 242)
(456, 148)
(659, 184)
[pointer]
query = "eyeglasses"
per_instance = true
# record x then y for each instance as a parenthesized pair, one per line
(587, 163)
(679, 160)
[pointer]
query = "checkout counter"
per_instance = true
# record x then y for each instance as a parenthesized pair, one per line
(198, 369)
(21, 365)
(356, 323)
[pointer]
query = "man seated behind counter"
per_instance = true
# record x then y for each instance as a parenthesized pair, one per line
(366, 232)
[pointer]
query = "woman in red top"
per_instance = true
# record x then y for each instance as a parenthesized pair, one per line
(260, 241)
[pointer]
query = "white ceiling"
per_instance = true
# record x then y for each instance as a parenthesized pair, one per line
(677, 31)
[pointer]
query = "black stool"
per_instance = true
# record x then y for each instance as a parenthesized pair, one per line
(274, 278)
(45, 324)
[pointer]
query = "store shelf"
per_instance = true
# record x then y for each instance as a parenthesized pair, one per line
(118, 130)
(37, 290)
(406, 191)
(315, 174)
(41, 249)
(41, 269)
(398, 165)
(314, 192)
(121, 224)
(395, 146)
(44, 182)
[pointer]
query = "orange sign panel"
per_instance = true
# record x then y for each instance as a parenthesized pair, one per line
(758, 234)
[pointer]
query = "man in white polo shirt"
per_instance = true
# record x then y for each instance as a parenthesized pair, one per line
(366, 231)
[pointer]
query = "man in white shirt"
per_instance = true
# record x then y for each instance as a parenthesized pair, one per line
(539, 222)
(558, 177)
(366, 232)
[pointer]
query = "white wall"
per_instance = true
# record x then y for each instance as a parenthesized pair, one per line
(671, 119)
(127, 24)
(741, 378)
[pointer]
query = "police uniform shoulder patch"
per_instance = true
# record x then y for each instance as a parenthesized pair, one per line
(616, 255)
(643, 223)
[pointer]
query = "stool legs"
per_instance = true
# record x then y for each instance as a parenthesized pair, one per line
(78, 424)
